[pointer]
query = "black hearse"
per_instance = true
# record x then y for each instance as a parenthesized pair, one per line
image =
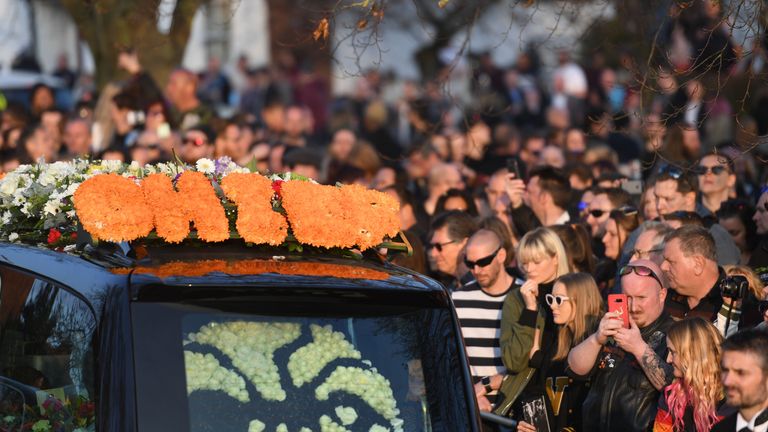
(225, 338)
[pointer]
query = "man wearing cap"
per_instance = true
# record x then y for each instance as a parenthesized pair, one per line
(626, 365)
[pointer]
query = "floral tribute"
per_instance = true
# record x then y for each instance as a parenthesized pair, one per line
(255, 266)
(45, 203)
(73, 413)
(250, 347)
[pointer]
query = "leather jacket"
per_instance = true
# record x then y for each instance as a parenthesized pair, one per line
(621, 397)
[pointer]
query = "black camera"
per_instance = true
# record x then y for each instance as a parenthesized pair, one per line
(734, 286)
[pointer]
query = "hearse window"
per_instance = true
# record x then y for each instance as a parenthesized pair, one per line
(46, 357)
(299, 366)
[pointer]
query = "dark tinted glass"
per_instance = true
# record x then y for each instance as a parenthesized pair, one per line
(303, 366)
(46, 356)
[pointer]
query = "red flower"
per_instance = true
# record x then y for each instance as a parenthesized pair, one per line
(53, 236)
(277, 186)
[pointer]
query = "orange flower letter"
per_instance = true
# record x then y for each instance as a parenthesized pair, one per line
(317, 215)
(112, 208)
(198, 199)
(256, 221)
(171, 219)
(374, 214)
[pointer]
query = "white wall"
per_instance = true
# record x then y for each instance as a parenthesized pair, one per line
(14, 30)
(249, 35)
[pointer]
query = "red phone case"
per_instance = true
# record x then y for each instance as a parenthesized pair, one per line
(618, 303)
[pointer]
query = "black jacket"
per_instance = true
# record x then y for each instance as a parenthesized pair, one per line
(621, 398)
(727, 424)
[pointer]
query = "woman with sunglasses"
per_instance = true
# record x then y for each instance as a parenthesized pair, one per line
(526, 322)
(576, 307)
(717, 181)
(694, 401)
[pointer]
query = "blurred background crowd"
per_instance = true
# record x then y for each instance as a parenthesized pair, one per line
(533, 201)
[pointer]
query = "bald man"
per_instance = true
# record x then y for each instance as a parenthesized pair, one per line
(478, 306)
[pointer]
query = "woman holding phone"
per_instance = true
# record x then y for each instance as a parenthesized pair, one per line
(694, 401)
(576, 307)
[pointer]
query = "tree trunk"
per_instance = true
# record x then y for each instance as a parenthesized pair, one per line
(428, 60)
(291, 23)
(111, 25)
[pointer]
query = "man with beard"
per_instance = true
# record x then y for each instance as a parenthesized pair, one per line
(744, 373)
(478, 306)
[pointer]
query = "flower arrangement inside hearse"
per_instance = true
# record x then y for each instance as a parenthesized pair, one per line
(116, 202)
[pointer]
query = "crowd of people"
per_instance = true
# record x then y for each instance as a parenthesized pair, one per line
(535, 205)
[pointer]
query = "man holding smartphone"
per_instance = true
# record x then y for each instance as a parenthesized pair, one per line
(627, 365)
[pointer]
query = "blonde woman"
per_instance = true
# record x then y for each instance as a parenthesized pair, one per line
(541, 257)
(576, 306)
(694, 400)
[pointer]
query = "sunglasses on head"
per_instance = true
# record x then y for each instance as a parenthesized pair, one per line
(673, 171)
(640, 270)
(644, 253)
(715, 170)
(439, 246)
(482, 262)
(555, 299)
(623, 211)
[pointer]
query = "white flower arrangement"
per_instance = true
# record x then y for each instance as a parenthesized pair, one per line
(36, 198)
(204, 372)
(251, 347)
(306, 362)
(347, 415)
(206, 166)
(281, 428)
(328, 425)
(256, 426)
(369, 385)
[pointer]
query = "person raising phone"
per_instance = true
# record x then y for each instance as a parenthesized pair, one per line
(576, 306)
(626, 365)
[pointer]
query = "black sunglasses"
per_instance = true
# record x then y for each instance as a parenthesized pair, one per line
(640, 270)
(715, 170)
(597, 213)
(439, 246)
(482, 262)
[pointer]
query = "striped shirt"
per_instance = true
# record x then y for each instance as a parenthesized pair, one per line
(480, 319)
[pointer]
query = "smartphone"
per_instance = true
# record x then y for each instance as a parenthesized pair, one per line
(513, 168)
(618, 303)
(633, 187)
